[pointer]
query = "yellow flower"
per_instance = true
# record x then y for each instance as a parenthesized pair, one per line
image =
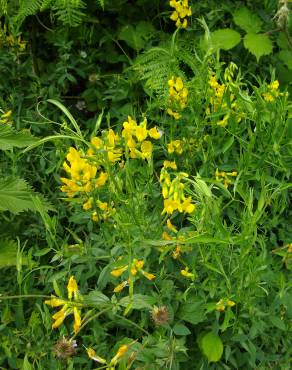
(179, 84)
(121, 286)
(185, 272)
(170, 226)
(72, 288)
(77, 319)
(154, 133)
(166, 236)
(175, 115)
(55, 302)
(175, 146)
(118, 272)
(231, 303)
(94, 216)
(87, 205)
(148, 276)
(97, 142)
(93, 356)
(146, 149)
(7, 115)
(59, 317)
(169, 164)
(121, 352)
(101, 180)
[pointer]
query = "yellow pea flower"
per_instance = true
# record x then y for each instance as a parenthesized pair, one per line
(72, 288)
(185, 272)
(170, 226)
(118, 272)
(93, 356)
(121, 286)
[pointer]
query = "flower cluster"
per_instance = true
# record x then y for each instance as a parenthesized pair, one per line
(11, 41)
(134, 269)
(135, 138)
(173, 193)
(218, 102)
(175, 146)
(224, 176)
(182, 10)
(69, 306)
(223, 303)
(106, 148)
(178, 96)
(113, 362)
(273, 92)
(6, 117)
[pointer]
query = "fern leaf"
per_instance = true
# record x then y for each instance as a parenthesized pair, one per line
(101, 3)
(9, 138)
(70, 11)
(46, 4)
(17, 196)
(27, 7)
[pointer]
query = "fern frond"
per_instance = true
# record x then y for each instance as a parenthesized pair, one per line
(46, 4)
(101, 3)
(155, 67)
(17, 196)
(27, 7)
(69, 11)
(9, 138)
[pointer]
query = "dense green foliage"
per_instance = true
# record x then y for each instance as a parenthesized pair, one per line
(145, 188)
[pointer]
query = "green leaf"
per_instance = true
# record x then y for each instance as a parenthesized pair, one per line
(247, 20)
(286, 57)
(136, 36)
(9, 138)
(224, 39)
(8, 254)
(17, 196)
(139, 301)
(258, 44)
(192, 311)
(212, 346)
(276, 321)
(180, 329)
(26, 364)
(96, 298)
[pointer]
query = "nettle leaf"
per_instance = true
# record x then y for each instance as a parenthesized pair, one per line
(139, 302)
(212, 346)
(225, 39)
(136, 36)
(17, 196)
(258, 44)
(9, 138)
(286, 57)
(193, 311)
(247, 20)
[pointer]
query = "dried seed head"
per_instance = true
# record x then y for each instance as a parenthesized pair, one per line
(160, 315)
(65, 348)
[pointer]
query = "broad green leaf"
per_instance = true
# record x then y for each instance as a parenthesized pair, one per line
(277, 322)
(225, 39)
(247, 20)
(96, 298)
(136, 36)
(180, 329)
(258, 44)
(9, 138)
(212, 346)
(286, 57)
(139, 301)
(192, 311)
(26, 364)
(8, 254)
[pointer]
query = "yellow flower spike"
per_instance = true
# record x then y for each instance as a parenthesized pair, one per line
(93, 356)
(102, 205)
(121, 352)
(77, 319)
(187, 206)
(274, 85)
(55, 302)
(97, 142)
(148, 275)
(72, 288)
(170, 226)
(121, 286)
(118, 272)
(185, 272)
(169, 164)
